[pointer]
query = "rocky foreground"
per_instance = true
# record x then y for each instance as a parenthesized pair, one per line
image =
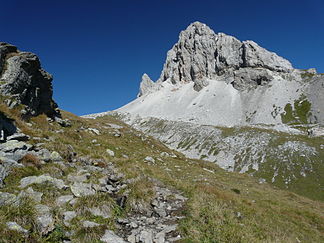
(70, 183)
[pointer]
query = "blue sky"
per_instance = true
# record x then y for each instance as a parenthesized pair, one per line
(98, 50)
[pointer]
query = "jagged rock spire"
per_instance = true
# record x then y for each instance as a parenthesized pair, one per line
(146, 86)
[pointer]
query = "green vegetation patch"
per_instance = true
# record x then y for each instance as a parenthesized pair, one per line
(298, 113)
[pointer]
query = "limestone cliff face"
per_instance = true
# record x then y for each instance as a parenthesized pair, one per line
(201, 54)
(23, 81)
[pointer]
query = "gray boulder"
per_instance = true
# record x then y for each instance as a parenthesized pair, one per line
(45, 221)
(110, 236)
(62, 200)
(27, 181)
(16, 227)
(14, 145)
(68, 216)
(19, 137)
(102, 211)
(80, 189)
(34, 195)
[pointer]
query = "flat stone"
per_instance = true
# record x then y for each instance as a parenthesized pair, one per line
(44, 218)
(94, 130)
(161, 212)
(68, 216)
(34, 195)
(159, 237)
(111, 237)
(102, 211)
(7, 198)
(132, 238)
(18, 154)
(89, 224)
(13, 145)
(62, 200)
(149, 159)
(78, 178)
(114, 126)
(16, 227)
(19, 137)
(80, 189)
(55, 156)
(146, 236)
(110, 152)
(44, 154)
(27, 181)
(164, 154)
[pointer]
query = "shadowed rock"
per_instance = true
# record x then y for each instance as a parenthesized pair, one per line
(23, 81)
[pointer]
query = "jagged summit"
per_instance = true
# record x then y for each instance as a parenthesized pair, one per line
(196, 28)
(201, 54)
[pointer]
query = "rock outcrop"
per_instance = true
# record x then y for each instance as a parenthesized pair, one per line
(23, 81)
(146, 86)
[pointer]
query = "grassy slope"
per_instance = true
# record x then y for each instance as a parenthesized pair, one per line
(303, 171)
(288, 165)
(222, 206)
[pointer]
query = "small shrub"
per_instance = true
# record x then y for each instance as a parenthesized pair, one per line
(92, 234)
(31, 160)
(237, 191)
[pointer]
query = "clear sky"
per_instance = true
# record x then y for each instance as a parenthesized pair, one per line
(98, 50)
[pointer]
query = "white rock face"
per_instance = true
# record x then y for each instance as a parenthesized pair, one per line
(201, 54)
(256, 56)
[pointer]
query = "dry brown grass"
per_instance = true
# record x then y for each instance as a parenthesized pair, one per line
(31, 160)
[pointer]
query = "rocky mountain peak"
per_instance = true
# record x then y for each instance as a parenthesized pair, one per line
(200, 55)
(196, 28)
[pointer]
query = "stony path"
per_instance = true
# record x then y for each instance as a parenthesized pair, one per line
(160, 222)
(154, 224)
